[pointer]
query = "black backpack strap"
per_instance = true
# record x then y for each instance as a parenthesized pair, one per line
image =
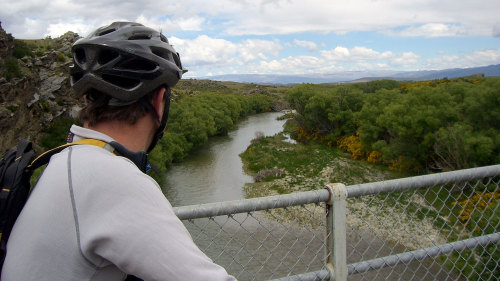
(7, 158)
(22, 147)
(10, 174)
(15, 179)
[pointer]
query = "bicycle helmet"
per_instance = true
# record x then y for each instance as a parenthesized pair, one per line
(124, 60)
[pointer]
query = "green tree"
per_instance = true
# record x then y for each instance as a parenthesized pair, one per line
(458, 147)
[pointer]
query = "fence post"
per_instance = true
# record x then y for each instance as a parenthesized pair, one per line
(336, 221)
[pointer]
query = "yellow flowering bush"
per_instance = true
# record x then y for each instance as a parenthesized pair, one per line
(474, 210)
(353, 145)
(374, 157)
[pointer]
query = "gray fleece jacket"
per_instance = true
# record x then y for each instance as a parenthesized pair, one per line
(96, 216)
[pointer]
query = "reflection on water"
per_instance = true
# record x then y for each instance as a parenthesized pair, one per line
(214, 172)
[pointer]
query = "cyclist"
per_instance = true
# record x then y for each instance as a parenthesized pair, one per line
(94, 214)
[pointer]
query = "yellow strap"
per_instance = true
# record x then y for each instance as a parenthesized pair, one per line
(95, 142)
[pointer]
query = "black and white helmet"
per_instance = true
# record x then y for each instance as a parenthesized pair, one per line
(124, 60)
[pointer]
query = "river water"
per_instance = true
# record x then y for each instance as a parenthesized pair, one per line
(214, 172)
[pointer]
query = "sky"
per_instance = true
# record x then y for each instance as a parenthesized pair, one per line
(286, 36)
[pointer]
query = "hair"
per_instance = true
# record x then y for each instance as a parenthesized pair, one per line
(98, 110)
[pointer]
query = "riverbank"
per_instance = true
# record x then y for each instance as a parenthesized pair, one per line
(304, 167)
(282, 167)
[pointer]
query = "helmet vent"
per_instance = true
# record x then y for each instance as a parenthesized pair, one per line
(161, 52)
(76, 77)
(106, 56)
(126, 83)
(140, 37)
(177, 60)
(80, 56)
(107, 31)
(138, 64)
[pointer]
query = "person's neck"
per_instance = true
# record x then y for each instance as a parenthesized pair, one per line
(136, 137)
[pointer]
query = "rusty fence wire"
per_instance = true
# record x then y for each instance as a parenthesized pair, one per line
(442, 226)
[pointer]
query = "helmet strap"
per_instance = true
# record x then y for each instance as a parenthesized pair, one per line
(159, 132)
(163, 121)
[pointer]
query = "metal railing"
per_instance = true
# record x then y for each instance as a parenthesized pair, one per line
(442, 226)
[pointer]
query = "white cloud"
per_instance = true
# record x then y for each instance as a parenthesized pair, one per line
(431, 30)
(92, 13)
(269, 67)
(426, 17)
(32, 28)
(338, 59)
(442, 62)
(482, 57)
(289, 65)
(495, 31)
(357, 53)
(363, 58)
(55, 30)
(473, 59)
(170, 25)
(309, 45)
(193, 23)
(252, 49)
(339, 53)
(405, 60)
(439, 17)
(223, 36)
(205, 52)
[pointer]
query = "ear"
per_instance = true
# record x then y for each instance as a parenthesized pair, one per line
(158, 103)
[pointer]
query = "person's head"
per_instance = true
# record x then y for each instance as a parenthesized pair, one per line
(120, 69)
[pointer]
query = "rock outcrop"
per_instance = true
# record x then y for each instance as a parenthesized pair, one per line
(6, 44)
(39, 93)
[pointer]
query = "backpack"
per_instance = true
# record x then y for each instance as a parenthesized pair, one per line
(16, 169)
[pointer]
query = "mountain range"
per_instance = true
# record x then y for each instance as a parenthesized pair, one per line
(358, 76)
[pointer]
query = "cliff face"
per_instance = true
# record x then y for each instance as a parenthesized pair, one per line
(34, 89)
(6, 44)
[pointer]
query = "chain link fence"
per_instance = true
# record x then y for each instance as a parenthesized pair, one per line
(435, 227)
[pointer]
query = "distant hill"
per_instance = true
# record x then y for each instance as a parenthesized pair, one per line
(358, 76)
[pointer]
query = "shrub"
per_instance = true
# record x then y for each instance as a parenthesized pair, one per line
(61, 57)
(13, 108)
(21, 49)
(56, 133)
(13, 69)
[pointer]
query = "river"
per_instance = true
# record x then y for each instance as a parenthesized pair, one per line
(214, 172)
